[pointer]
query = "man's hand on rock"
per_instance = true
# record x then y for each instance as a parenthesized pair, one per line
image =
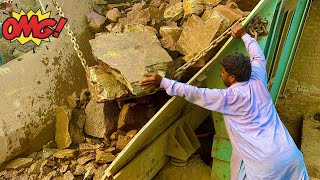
(237, 31)
(152, 79)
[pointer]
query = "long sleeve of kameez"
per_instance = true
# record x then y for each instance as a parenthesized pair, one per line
(211, 99)
(258, 61)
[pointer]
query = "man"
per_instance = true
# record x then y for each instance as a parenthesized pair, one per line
(262, 146)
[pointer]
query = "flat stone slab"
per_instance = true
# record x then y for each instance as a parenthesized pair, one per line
(128, 56)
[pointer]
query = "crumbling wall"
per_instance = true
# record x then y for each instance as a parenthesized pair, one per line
(33, 84)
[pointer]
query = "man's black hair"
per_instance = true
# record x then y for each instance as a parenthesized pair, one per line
(238, 65)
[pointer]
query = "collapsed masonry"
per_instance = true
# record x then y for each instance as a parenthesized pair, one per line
(132, 39)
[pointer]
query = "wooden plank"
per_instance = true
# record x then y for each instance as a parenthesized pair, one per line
(151, 160)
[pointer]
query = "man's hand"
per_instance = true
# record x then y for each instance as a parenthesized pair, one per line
(238, 31)
(152, 79)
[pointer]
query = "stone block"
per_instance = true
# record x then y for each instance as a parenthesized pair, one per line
(104, 157)
(19, 163)
(139, 14)
(170, 36)
(96, 21)
(101, 118)
(103, 86)
(129, 55)
(63, 117)
(139, 28)
(66, 154)
(192, 7)
(230, 11)
(197, 33)
(113, 15)
(174, 12)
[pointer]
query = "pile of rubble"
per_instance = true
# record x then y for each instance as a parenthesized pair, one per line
(89, 135)
(157, 36)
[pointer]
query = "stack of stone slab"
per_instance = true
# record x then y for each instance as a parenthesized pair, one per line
(158, 37)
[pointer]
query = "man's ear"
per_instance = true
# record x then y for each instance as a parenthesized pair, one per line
(232, 78)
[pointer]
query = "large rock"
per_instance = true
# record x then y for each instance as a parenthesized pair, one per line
(101, 118)
(157, 12)
(209, 4)
(138, 14)
(170, 36)
(311, 143)
(174, 12)
(63, 117)
(139, 28)
(96, 22)
(113, 15)
(192, 7)
(230, 11)
(129, 55)
(197, 33)
(103, 86)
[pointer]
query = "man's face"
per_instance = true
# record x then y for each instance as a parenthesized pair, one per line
(225, 77)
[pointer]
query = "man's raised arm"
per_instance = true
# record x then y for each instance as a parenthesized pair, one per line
(258, 61)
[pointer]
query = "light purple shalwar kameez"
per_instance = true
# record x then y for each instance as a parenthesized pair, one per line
(259, 139)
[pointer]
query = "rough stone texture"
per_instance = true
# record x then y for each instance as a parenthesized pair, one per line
(96, 22)
(73, 101)
(122, 142)
(76, 134)
(129, 55)
(245, 5)
(230, 11)
(138, 15)
(192, 7)
(63, 117)
(157, 12)
(170, 35)
(88, 147)
(103, 86)
(19, 163)
(114, 136)
(198, 33)
(36, 82)
(66, 154)
(79, 117)
(35, 167)
(101, 118)
(84, 159)
(132, 133)
(311, 143)
(208, 4)
(174, 12)
(139, 28)
(104, 157)
(113, 15)
(132, 116)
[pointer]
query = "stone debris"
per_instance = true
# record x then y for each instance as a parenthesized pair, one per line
(174, 12)
(101, 118)
(63, 117)
(192, 7)
(122, 142)
(96, 22)
(103, 157)
(73, 101)
(19, 163)
(113, 15)
(66, 154)
(114, 136)
(131, 133)
(103, 85)
(170, 36)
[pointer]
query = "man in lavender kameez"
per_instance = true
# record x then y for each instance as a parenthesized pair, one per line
(262, 146)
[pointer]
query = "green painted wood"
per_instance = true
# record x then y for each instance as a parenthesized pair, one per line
(290, 47)
(221, 148)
